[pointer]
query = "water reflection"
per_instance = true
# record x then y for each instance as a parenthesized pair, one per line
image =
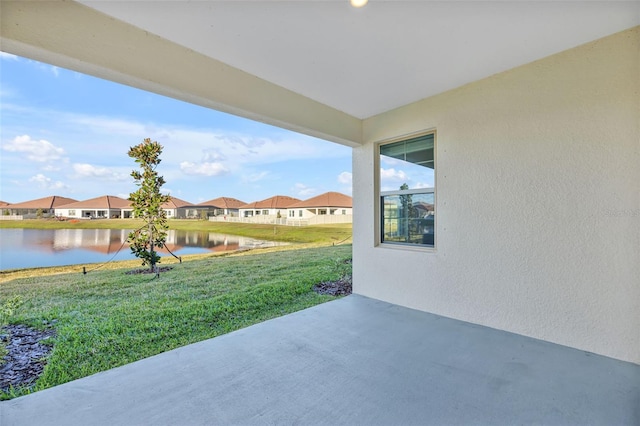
(28, 248)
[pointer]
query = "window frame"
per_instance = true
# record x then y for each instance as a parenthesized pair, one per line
(378, 194)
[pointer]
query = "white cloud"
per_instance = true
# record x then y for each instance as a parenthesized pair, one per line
(109, 126)
(46, 182)
(40, 151)
(302, 190)
(254, 177)
(8, 56)
(241, 150)
(203, 169)
(421, 185)
(345, 178)
(393, 175)
(84, 170)
(51, 168)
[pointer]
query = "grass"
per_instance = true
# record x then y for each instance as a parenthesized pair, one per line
(108, 318)
(320, 234)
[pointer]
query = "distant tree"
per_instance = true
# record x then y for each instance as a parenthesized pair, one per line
(147, 204)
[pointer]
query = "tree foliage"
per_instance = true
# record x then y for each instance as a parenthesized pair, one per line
(147, 203)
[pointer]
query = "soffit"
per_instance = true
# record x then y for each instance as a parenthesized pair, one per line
(388, 54)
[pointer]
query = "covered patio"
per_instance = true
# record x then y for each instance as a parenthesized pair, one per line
(353, 361)
(522, 306)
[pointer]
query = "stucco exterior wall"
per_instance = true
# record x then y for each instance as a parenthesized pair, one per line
(537, 201)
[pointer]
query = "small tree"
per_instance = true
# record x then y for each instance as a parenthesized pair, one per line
(147, 204)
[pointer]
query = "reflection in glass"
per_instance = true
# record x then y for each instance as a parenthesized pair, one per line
(408, 218)
(407, 192)
(408, 163)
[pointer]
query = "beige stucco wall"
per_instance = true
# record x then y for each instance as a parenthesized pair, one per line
(538, 202)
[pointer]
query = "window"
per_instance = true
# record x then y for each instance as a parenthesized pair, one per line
(292, 213)
(344, 212)
(322, 211)
(168, 213)
(266, 212)
(299, 213)
(407, 191)
(72, 212)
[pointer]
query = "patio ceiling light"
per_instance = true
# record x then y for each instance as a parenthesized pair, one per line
(358, 3)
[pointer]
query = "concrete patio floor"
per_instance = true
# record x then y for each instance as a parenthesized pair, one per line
(351, 361)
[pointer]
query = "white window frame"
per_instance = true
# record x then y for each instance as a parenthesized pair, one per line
(378, 240)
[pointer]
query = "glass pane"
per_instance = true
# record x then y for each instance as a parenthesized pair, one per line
(407, 164)
(408, 219)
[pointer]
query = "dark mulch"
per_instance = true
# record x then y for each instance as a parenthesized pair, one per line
(27, 355)
(339, 287)
(148, 271)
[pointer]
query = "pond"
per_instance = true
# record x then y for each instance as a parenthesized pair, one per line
(32, 248)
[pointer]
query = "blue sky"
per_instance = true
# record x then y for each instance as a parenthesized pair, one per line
(68, 134)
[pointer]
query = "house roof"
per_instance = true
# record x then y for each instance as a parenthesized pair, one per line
(50, 202)
(223, 203)
(3, 203)
(103, 202)
(328, 199)
(277, 62)
(275, 202)
(424, 206)
(176, 203)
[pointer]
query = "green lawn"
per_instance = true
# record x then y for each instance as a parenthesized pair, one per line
(109, 318)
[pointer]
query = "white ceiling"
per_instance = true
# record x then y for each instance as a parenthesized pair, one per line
(389, 53)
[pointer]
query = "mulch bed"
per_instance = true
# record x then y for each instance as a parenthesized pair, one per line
(27, 355)
(339, 287)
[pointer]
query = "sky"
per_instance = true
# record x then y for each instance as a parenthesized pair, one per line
(68, 134)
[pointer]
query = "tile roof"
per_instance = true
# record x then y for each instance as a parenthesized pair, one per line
(104, 202)
(328, 199)
(223, 203)
(176, 203)
(44, 203)
(4, 203)
(275, 202)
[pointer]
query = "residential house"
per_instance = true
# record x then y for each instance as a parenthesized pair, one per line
(104, 207)
(41, 207)
(503, 107)
(330, 207)
(221, 207)
(176, 208)
(269, 210)
(4, 204)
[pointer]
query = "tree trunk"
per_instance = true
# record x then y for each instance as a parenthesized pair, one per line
(152, 260)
